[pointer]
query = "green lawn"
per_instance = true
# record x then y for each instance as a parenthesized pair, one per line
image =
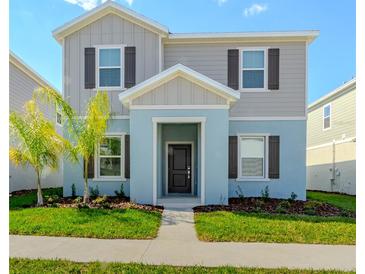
(224, 226)
(61, 266)
(92, 223)
(30, 198)
(343, 201)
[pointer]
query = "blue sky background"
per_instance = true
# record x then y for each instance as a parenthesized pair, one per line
(332, 56)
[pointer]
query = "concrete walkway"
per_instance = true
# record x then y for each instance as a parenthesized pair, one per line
(177, 244)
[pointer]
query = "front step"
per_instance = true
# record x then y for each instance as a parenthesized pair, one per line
(179, 202)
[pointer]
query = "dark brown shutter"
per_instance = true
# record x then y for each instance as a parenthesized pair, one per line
(129, 67)
(232, 157)
(274, 57)
(89, 68)
(127, 156)
(233, 56)
(274, 157)
(90, 168)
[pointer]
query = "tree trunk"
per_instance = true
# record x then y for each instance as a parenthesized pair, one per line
(39, 190)
(86, 184)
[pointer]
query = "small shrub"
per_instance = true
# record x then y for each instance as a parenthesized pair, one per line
(94, 192)
(281, 209)
(293, 197)
(51, 199)
(259, 203)
(265, 193)
(309, 211)
(284, 204)
(239, 193)
(120, 193)
(257, 210)
(100, 200)
(73, 190)
(82, 205)
(312, 205)
(78, 200)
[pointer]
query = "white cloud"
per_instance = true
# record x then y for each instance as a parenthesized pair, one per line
(221, 2)
(90, 4)
(255, 9)
(85, 4)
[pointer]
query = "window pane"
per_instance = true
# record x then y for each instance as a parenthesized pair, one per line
(110, 146)
(252, 79)
(252, 157)
(253, 59)
(110, 167)
(326, 122)
(109, 77)
(109, 57)
(327, 111)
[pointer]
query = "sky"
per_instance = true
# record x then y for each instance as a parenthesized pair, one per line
(332, 56)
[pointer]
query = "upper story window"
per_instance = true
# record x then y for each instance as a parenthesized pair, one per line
(327, 117)
(252, 157)
(253, 69)
(59, 118)
(111, 157)
(109, 68)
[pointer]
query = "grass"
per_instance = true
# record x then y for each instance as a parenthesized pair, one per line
(223, 226)
(92, 223)
(28, 199)
(340, 200)
(62, 266)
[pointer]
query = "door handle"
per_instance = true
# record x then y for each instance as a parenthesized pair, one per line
(188, 172)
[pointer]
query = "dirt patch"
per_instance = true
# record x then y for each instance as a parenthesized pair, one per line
(278, 206)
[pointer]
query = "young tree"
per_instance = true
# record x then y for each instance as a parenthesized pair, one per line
(37, 142)
(85, 132)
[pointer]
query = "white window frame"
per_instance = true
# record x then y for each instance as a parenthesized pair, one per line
(265, 136)
(122, 159)
(121, 67)
(329, 116)
(241, 69)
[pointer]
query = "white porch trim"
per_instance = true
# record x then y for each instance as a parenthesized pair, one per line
(179, 107)
(161, 120)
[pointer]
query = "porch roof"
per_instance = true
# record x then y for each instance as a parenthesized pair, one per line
(173, 72)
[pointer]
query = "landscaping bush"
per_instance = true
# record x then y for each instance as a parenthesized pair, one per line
(120, 193)
(94, 192)
(265, 193)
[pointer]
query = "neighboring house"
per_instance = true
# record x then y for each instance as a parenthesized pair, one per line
(22, 82)
(199, 115)
(331, 143)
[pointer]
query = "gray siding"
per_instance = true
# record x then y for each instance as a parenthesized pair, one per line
(21, 88)
(343, 120)
(179, 91)
(111, 29)
(211, 60)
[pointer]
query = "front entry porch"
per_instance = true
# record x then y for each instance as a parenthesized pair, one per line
(178, 168)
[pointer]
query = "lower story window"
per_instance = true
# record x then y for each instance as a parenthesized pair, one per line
(110, 157)
(252, 156)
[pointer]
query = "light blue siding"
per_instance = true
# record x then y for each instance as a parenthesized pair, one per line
(73, 172)
(292, 158)
(216, 152)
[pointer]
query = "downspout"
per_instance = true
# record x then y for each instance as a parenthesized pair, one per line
(333, 179)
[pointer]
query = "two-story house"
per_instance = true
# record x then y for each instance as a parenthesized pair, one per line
(331, 151)
(195, 116)
(23, 80)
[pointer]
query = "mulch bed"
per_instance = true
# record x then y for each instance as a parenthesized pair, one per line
(277, 206)
(108, 203)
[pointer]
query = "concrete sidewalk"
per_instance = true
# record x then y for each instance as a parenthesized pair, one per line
(177, 244)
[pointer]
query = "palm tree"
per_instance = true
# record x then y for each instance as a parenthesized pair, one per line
(37, 142)
(86, 132)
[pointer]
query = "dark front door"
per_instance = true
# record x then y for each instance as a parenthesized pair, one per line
(179, 168)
